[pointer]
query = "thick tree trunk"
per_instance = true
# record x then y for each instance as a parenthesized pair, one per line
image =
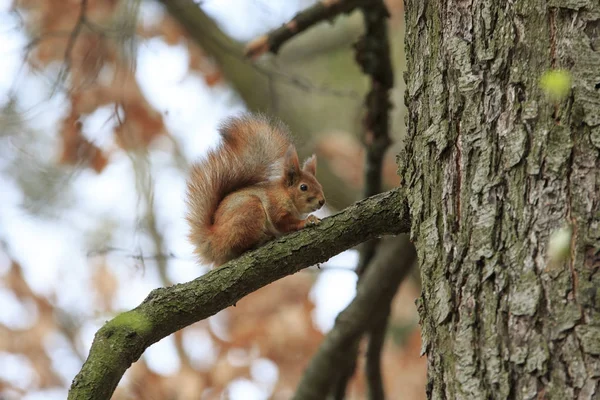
(492, 168)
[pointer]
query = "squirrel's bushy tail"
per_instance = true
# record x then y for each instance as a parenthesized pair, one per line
(251, 151)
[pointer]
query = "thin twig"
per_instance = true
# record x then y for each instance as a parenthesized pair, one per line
(81, 20)
(195, 21)
(298, 81)
(373, 365)
(373, 55)
(155, 257)
(172, 256)
(321, 11)
(158, 240)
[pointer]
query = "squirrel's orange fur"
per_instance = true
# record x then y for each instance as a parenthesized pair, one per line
(249, 190)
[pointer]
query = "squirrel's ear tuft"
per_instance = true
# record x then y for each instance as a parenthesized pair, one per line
(291, 166)
(310, 165)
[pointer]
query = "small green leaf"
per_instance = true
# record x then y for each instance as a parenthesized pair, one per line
(559, 246)
(556, 84)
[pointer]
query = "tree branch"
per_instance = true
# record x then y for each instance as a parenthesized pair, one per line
(377, 335)
(340, 384)
(321, 11)
(373, 55)
(121, 341)
(379, 285)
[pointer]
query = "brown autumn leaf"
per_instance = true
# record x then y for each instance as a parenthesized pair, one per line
(52, 22)
(140, 127)
(277, 321)
(188, 384)
(89, 54)
(172, 33)
(143, 383)
(138, 122)
(223, 373)
(202, 63)
(106, 285)
(76, 149)
(214, 78)
(30, 341)
(84, 49)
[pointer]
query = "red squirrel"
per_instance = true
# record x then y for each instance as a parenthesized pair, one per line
(249, 190)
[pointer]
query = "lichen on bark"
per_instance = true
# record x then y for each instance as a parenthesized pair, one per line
(492, 167)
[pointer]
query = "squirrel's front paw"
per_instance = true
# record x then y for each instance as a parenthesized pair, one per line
(312, 220)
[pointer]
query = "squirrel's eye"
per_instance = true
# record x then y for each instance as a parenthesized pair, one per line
(303, 187)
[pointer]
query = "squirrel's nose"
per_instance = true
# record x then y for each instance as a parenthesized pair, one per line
(321, 202)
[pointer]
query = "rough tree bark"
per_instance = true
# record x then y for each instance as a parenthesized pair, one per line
(491, 169)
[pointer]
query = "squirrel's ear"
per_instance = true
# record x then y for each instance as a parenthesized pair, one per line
(310, 165)
(291, 166)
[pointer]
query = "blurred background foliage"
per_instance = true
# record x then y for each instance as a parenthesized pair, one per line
(92, 174)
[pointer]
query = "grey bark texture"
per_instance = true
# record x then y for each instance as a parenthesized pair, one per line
(491, 169)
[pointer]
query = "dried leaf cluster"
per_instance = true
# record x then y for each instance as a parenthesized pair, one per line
(89, 40)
